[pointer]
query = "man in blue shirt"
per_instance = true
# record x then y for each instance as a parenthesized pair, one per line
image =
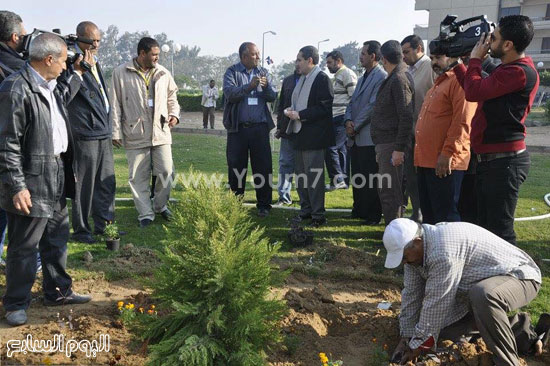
(247, 89)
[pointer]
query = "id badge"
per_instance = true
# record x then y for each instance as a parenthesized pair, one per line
(252, 101)
(150, 103)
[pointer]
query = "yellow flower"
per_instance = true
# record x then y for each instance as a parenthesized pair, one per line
(131, 306)
(152, 306)
(324, 358)
(120, 304)
(150, 311)
(141, 310)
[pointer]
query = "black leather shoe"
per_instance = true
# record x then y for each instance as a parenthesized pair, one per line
(73, 298)
(145, 222)
(371, 222)
(167, 215)
(88, 239)
(263, 212)
(543, 329)
(318, 222)
(299, 218)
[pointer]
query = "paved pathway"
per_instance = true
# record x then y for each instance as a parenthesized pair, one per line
(537, 137)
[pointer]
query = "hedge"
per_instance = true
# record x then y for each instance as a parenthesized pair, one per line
(192, 102)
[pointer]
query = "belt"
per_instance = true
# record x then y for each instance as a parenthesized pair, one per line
(493, 156)
(250, 124)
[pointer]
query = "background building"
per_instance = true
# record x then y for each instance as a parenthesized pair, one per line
(537, 10)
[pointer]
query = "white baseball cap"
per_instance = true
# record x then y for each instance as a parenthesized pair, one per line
(398, 234)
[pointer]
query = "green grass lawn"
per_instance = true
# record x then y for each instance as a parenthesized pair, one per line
(206, 154)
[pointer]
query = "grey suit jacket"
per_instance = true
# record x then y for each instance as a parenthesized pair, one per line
(360, 107)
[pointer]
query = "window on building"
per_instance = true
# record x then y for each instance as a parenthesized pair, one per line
(545, 45)
(514, 10)
(547, 11)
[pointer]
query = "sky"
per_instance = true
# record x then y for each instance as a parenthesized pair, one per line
(219, 27)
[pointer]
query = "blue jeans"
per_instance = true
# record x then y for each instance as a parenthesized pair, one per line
(286, 170)
(336, 156)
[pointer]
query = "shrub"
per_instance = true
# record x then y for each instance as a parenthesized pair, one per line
(214, 284)
(547, 108)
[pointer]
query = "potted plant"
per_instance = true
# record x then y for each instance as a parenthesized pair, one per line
(112, 237)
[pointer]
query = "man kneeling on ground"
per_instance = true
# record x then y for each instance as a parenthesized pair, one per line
(461, 280)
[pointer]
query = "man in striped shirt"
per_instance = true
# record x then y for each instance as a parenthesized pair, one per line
(344, 83)
(461, 278)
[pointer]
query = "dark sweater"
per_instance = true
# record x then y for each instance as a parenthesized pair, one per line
(392, 115)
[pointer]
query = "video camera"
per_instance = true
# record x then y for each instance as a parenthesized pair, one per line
(454, 40)
(70, 40)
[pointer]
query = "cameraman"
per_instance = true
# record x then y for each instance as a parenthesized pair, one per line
(498, 131)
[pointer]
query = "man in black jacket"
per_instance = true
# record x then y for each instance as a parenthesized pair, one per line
(95, 175)
(11, 42)
(36, 175)
(391, 128)
(311, 121)
(286, 152)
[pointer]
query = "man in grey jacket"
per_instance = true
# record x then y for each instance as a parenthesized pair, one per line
(420, 69)
(391, 128)
(366, 203)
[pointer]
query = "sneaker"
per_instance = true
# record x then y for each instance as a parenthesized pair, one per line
(16, 317)
(341, 185)
(329, 188)
(167, 215)
(263, 212)
(73, 298)
(281, 202)
(145, 222)
(318, 222)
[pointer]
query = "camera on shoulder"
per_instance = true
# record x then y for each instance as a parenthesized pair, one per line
(455, 39)
(70, 39)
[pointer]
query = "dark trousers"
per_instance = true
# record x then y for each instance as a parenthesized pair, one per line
(95, 186)
(410, 188)
(497, 186)
(26, 236)
(390, 189)
(254, 139)
(366, 203)
(208, 112)
(439, 196)
(467, 204)
(336, 156)
(309, 167)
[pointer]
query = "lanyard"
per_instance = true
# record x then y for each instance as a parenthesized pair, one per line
(147, 78)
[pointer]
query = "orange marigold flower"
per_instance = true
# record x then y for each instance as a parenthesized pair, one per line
(120, 304)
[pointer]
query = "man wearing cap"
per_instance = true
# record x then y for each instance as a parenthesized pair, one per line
(460, 278)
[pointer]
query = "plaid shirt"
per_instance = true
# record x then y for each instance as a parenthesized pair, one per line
(456, 256)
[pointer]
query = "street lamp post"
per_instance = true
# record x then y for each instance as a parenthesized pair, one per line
(263, 43)
(319, 43)
(166, 48)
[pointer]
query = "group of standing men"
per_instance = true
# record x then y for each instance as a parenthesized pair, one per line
(408, 125)
(58, 125)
